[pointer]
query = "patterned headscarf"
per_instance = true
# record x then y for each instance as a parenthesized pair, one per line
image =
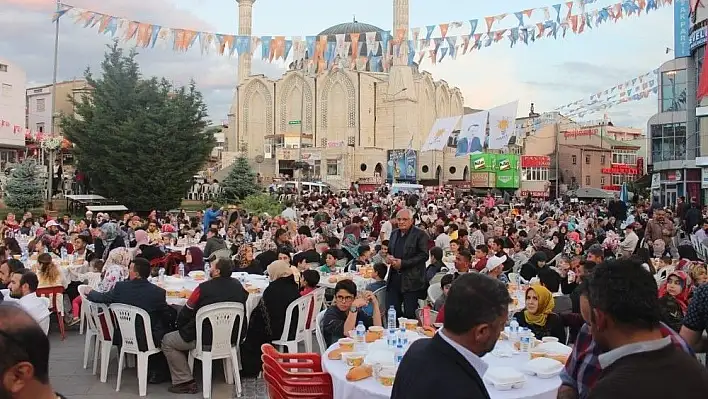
(119, 256)
(241, 257)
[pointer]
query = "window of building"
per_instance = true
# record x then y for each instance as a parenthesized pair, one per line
(602, 160)
(575, 160)
(668, 142)
(6, 90)
(362, 167)
(628, 157)
(40, 105)
(587, 180)
(332, 167)
(317, 169)
(3, 68)
(452, 170)
(617, 180)
(425, 168)
(602, 180)
(40, 127)
(534, 174)
(587, 160)
(673, 90)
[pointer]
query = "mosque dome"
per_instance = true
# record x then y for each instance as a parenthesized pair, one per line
(350, 27)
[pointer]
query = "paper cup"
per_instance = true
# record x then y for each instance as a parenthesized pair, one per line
(346, 344)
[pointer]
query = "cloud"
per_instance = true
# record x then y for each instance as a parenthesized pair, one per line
(79, 48)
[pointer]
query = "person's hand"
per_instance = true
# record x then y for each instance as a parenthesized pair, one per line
(87, 290)
(359, 303)
(369, 296)
(396, 263)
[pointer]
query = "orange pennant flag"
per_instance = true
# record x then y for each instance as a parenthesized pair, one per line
(582, 24)
(132, 30)
(490, 22)
(443, 29)
(189, 36)
(642, 4)
(401, 35)
(433, 56)
(498, 35)
(618, 11)
(528, 12)
(354, 40)
(574, 23)
(569, 4)
(228, 43)
(105, 20)
(541, 28)
(277, 47)
(144, 35)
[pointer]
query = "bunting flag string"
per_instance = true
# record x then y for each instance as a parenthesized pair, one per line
(373, 51)
(633, 89)
(29, 134)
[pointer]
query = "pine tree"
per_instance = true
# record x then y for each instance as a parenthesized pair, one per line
(140, 141)
(240, 183)
(24, 187)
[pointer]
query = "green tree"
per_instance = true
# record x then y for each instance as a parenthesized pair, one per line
(140, 141)
(240, 183)
(259, 204)
(24, 187)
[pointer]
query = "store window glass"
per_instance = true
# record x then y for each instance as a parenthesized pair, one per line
(673, 90)
(668, 142)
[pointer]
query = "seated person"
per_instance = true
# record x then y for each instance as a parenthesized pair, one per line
(436, 264)
(463, 262)
(551, 280)
(329, 262)
(445, 284)
(379, 277)
(23, 287)
(381, 253)
(538, 315)
(308, 282)
(364, 253)
(147, 250)
(480, 255)
(346, 312)
(495, 268)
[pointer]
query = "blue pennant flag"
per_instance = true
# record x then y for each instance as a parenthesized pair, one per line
(557, 7)
(520, 16)
(310, 43)
(288, 47)
(385, 37)
(514, 36)
(155, 33)
(411, 52)
(473, 27)
(265, 46)
(429, 29)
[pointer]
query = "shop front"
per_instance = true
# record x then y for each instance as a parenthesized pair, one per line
(669, 185)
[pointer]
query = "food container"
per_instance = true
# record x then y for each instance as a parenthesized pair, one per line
(504, 378)
(378, 330)
(385, 375)
(535, 354)
(549, 339)
(543, 367)
(353, 359)
(346, 344)
(411, 324)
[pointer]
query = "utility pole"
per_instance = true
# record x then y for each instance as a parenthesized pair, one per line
(50, 167)
(556, 129)
(299, 147)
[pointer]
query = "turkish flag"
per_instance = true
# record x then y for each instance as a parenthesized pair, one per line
(703, 82)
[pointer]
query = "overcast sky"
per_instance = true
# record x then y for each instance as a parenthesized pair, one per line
(549, 72)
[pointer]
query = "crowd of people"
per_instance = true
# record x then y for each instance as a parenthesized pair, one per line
(621, 283)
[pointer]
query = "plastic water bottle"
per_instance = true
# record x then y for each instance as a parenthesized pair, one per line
(181, 270)
(513, 331)
(391, 318)
(399, 354)
(525, 345)
(392, 339)
(63, 253)
(360, 332)
(402, 337)
(161, 275)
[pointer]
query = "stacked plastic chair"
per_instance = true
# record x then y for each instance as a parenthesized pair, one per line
(295, 375)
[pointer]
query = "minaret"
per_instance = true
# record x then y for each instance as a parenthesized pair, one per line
(245, 23)
(401, 88)
(400, 21)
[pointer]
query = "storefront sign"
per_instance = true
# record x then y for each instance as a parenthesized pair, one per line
(571, 134)
(535, 161)
(507, 171)
(482, 162)
(620, 169)
(375, 180)
(704, 177)
(682, 17)
(612, 188)
(482, 179)
(402, 166)
(537, 194)
(335, 143)
(656, 181)
(640, 165)
(697, 38)
(311, 157)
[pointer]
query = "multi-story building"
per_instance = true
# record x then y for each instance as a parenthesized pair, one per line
(692, 135)
(12, 111)
(39, 104)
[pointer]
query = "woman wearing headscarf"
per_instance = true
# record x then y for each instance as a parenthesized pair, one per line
(115, 269)
(268, 318)
(245, 261)
(530, 269)
(538, 314)
(144, 248)
(193, 259)
(673, 299)
(109, 240)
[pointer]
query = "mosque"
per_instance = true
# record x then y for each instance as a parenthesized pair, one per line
(344, 123)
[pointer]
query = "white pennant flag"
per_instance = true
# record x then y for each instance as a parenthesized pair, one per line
(472, 134)
(502, 125)
(440, 133)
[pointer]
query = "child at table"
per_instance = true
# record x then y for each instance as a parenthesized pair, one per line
(379, 277)
(93, 280)
(310, 279)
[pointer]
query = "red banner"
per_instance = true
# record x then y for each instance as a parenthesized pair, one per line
(640, 165)
(612, 188)
(620, 169)
(581, 132)
(535, 161)
(537, 194)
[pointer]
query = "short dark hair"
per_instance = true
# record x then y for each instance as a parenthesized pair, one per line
(483, 248)
(499, 242)
(436, 253)
(626, 292)
(381, 269)
(28, 277)
(363, 250)
(489, 295)
(549, 279)
(446, 279)
(225, 266)
(588, 266)
(14, 265)
(384, 243)
(22, 340)
(597, 250)
(347, 285)
(466, 254)
(312, 277)
(142, 267)
(214, 231)
(85, 238)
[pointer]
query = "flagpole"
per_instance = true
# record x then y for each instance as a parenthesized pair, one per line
(50, 167)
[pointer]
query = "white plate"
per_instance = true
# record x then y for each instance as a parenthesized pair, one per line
(543, 367)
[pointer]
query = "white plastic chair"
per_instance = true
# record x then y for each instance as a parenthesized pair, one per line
(91, 331)
(126, 316)
(300, 306)
(318, 332)
(317, 297)
(100, 315)
(514, 278)
(222, 317)
(380, 295)
(434, 292)
(83, 312)
(44, 323)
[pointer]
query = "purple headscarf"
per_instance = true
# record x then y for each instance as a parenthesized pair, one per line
(197, 259)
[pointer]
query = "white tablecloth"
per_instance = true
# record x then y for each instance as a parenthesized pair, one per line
(188, 283)
(360, 282)
(535, 388)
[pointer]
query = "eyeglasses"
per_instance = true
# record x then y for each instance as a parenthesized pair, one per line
(344, 298)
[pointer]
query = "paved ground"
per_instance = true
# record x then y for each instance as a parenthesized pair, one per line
(69, 378)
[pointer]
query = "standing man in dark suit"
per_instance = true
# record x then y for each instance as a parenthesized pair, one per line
(408, 249)
(454, 353)
(139, 292)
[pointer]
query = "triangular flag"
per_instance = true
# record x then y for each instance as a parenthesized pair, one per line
(443, 29)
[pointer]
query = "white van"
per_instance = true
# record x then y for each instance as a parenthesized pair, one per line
(306, 186)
